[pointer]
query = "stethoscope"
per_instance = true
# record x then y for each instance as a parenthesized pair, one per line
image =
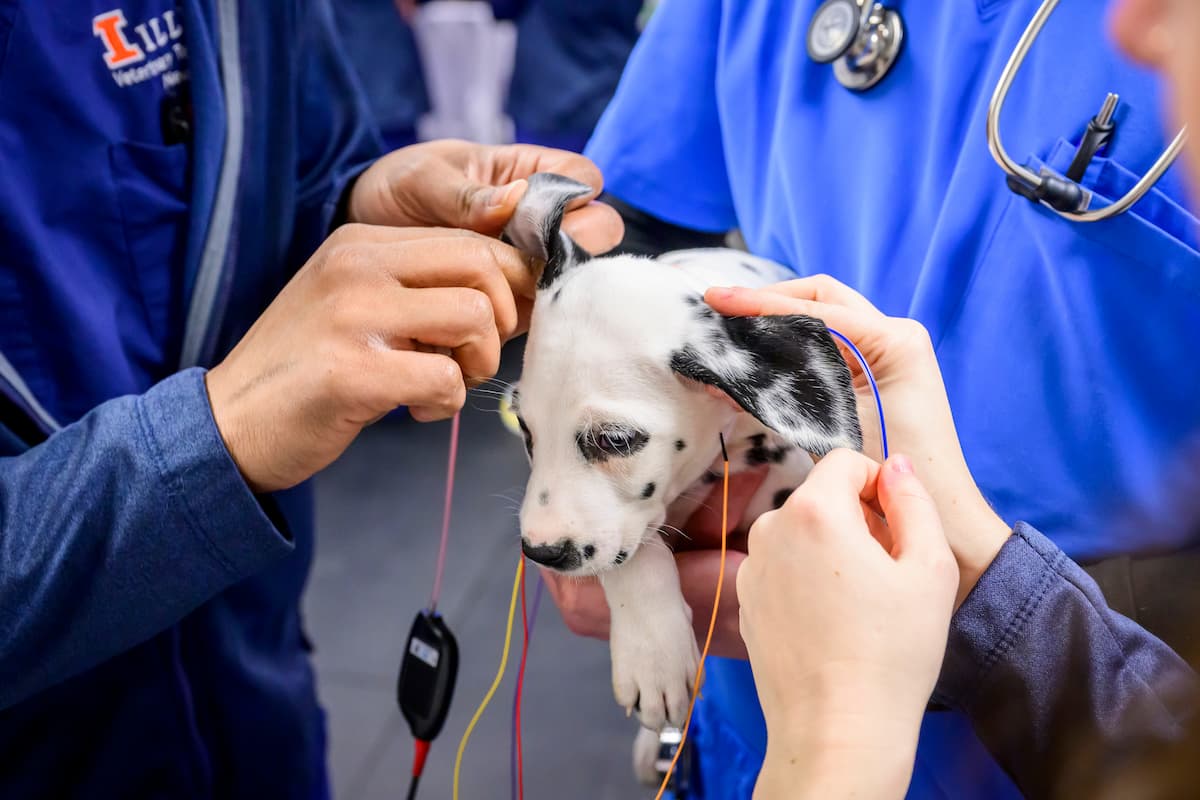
(863, 40)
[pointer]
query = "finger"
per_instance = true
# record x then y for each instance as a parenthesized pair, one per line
(524, 314)
(512, 162)
(842, 481)
(459, 319)
(912, 517)
(596, 227)
(489, 181)
(456, 193)
(698, 571)
(363, 233)
(472, 253)
(452, 253)
(825, 289)
(581, 602)
(430, 384)
(742, 302)
(449, 263)
(704, 526)
(877, 525)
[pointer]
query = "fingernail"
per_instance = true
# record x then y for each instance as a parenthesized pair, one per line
(902, 465)
(720, 292)
(503, 195)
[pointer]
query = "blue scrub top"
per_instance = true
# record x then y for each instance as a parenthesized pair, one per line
(1066, 347)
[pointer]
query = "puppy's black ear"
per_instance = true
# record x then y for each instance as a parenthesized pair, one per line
(786, 371)
(535, 227)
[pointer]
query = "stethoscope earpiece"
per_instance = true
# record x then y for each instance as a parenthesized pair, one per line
(861, 38)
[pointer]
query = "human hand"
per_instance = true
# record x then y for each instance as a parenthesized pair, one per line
(919, 421)
(457, 184)
(377, 318)
(846, 617)
(698, 559)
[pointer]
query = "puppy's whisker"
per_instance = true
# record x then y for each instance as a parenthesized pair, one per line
(673, 529)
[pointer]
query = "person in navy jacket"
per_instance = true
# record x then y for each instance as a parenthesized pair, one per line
(846, 638)
(183, 342)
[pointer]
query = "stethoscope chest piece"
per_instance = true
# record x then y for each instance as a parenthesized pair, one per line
(861, 38)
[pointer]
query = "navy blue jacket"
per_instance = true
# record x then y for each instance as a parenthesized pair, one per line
(568, 62)
(1069, 696)
(165, 166)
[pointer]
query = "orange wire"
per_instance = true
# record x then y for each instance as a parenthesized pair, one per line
(712, 624)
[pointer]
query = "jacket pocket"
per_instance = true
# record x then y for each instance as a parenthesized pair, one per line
(153, 195)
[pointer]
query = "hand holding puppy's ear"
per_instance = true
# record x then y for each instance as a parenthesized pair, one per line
(919, 418)
(477, 187)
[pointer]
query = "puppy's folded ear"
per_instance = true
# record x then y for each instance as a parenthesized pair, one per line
(786, 371)
(535, 227)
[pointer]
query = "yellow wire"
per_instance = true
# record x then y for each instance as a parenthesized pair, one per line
(487, 698)
(712, 624)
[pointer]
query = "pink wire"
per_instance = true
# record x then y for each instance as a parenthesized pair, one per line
(441, 562)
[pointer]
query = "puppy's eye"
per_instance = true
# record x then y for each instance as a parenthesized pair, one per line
(603, 443)
(614, 442)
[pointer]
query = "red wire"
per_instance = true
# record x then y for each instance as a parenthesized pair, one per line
(520, 686)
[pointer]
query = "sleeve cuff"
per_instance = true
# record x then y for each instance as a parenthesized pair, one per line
(201, 481)
(335, 210)
(996, 614)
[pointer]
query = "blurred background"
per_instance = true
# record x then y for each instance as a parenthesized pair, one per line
(539, 71)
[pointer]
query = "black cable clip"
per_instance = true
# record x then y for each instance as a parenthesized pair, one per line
(1100, 130)
(425, 686)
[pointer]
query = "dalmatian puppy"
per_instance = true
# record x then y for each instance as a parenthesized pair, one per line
(629, 382)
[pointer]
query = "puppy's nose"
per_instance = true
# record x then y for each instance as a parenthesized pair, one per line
(562, 555)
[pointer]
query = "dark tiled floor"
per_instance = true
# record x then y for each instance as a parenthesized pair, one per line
(379, 513)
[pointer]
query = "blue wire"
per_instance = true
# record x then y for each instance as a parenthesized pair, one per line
(874, 388)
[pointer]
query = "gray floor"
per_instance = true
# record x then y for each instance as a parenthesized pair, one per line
(379, 517)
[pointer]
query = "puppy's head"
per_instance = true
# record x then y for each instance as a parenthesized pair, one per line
(627, 384)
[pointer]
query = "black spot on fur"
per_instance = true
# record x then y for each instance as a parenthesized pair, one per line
(601, 443)
(692, 300)
(557, 294)
(780, 498)
(621, 556)
(710, 478)
(759, 453)
(750, 265)
(679, 445)
(544, 498)
(648, 492)
(789, 375)
(589, 551)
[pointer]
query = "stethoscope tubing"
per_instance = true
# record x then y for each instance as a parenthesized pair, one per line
(1026, 176)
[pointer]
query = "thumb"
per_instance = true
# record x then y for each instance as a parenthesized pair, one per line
(487, 209)
(910, 512)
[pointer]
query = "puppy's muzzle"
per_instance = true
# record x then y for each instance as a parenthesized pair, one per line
(563, 555)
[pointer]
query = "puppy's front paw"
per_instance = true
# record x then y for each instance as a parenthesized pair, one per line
(654, 660)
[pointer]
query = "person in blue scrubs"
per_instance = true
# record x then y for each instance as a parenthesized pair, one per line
(847, 621)
(1074, 411)
(210, 282)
